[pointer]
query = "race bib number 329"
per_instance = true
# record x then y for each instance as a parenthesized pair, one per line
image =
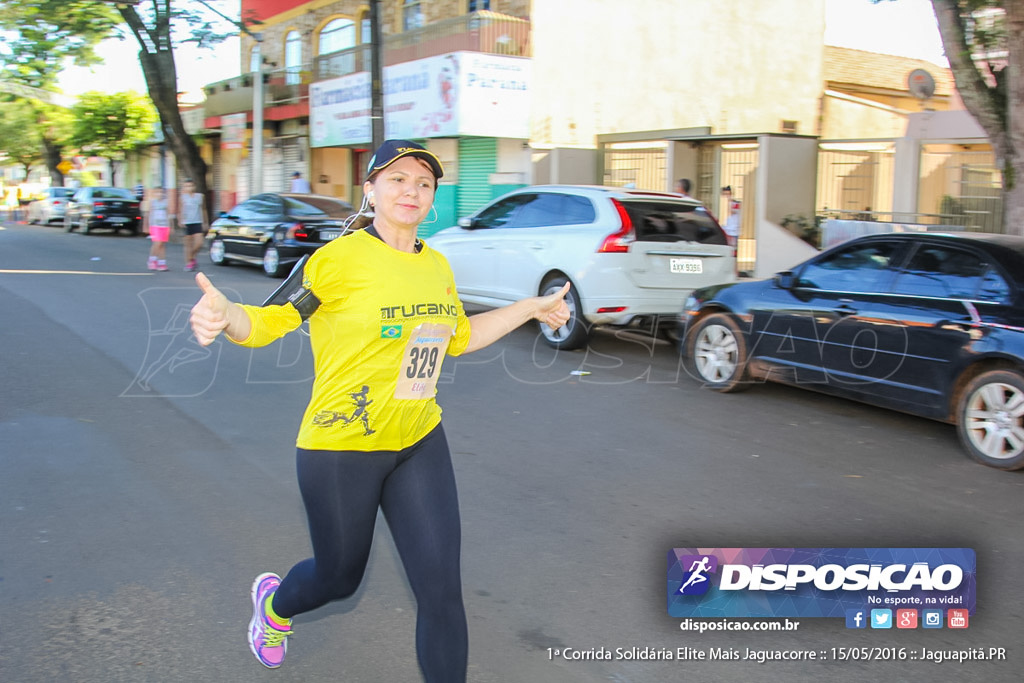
(421, 361)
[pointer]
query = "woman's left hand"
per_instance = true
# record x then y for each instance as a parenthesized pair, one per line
(552, 309)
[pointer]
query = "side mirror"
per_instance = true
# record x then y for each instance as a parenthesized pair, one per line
(785, 280)
(467, 223)
(223, 214)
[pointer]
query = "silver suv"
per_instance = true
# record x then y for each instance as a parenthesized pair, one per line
(631, 255)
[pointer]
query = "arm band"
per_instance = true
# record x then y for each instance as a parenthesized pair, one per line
(292, 291)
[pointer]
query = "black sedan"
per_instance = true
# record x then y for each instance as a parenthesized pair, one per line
(110, 208)
(928, 324)
(275, 230)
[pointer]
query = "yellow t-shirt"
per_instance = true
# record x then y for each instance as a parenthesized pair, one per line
(378, 337)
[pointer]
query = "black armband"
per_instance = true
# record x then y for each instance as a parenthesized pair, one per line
(293, 291)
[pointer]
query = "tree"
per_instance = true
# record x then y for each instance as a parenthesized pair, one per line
(109, 125)
(19, 135)
(153, 30)
(984, 43)
(40, 36)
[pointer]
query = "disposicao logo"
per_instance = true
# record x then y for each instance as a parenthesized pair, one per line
(696, 580)
(817, 582)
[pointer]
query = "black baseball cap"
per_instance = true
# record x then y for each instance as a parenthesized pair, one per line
(392, 150)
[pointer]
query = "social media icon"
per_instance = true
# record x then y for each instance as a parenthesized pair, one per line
(931, 618)
(856, 618)
(881, 618)
(906, 618)
(957, 618)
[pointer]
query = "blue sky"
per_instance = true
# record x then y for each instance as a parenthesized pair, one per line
(899, 27)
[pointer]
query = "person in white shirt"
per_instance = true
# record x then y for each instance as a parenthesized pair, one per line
(300, 185)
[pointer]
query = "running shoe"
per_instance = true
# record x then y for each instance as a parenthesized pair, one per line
(267, 638)
(152, 263)
(191, 265)
(161, 265)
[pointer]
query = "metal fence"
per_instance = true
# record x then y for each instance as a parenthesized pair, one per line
(956, 187)
(486, 32)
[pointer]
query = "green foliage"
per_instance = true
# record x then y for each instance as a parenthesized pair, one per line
(19, 134)
(806, 228)
(109, 125)
(41, 35)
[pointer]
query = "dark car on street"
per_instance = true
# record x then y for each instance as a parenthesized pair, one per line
(108, 208)
(275, 230)
(925, 323)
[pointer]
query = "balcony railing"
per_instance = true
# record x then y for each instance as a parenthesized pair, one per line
(487, 32)
(280, 87)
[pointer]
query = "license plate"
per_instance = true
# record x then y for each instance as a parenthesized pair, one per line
(328, 235)
(687, 265)
(118, 219)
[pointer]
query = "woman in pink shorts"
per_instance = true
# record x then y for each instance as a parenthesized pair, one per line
(159, 228)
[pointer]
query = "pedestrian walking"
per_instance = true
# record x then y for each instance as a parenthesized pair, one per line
(195, 220)
(157, 222)
(383, 312)
(300, 185)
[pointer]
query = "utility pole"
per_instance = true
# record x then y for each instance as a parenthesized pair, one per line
(376, 75)
(256, 186)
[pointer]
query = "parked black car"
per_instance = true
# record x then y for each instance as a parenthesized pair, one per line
(275, 230)
(925, 323)
(110, 208)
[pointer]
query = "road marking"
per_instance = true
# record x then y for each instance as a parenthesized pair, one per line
(65, 272)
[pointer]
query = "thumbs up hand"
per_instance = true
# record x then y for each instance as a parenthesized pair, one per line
(210, 315)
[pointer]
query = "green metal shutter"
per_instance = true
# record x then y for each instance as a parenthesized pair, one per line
(478, 159)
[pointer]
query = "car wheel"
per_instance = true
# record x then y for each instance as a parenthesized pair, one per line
(718, 353)
(218, 253)
(272, 262)
(990, 419)
(69, 225)
(574, 333)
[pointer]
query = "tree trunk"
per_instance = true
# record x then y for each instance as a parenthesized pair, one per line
(1000, 117)
(157, 60)
(51, 155)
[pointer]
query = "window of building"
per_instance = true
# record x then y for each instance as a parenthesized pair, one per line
(338, 34)
(477, 5)
(412, 14)
(293, 58)
(365, 32)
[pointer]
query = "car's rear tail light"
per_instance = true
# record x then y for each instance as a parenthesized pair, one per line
(298, 232)
(618, 242)
(97, 205)
(611, 309)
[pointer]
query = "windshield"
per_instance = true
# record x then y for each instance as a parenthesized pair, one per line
(112, 193)
(317, 206)
(668, 221)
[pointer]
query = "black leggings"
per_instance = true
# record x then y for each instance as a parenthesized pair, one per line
(415, 488)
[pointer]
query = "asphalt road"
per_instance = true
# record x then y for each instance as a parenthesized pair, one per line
(146, 480)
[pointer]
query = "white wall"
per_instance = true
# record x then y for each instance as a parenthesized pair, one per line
(738, 66)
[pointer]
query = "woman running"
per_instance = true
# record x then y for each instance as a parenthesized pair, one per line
(383, 312)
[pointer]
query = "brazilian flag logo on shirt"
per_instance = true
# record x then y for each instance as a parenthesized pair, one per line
(390, 331)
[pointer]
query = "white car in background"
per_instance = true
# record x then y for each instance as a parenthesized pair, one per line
(631, 255)
(49, 205)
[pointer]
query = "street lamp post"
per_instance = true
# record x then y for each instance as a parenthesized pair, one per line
(257, 118)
